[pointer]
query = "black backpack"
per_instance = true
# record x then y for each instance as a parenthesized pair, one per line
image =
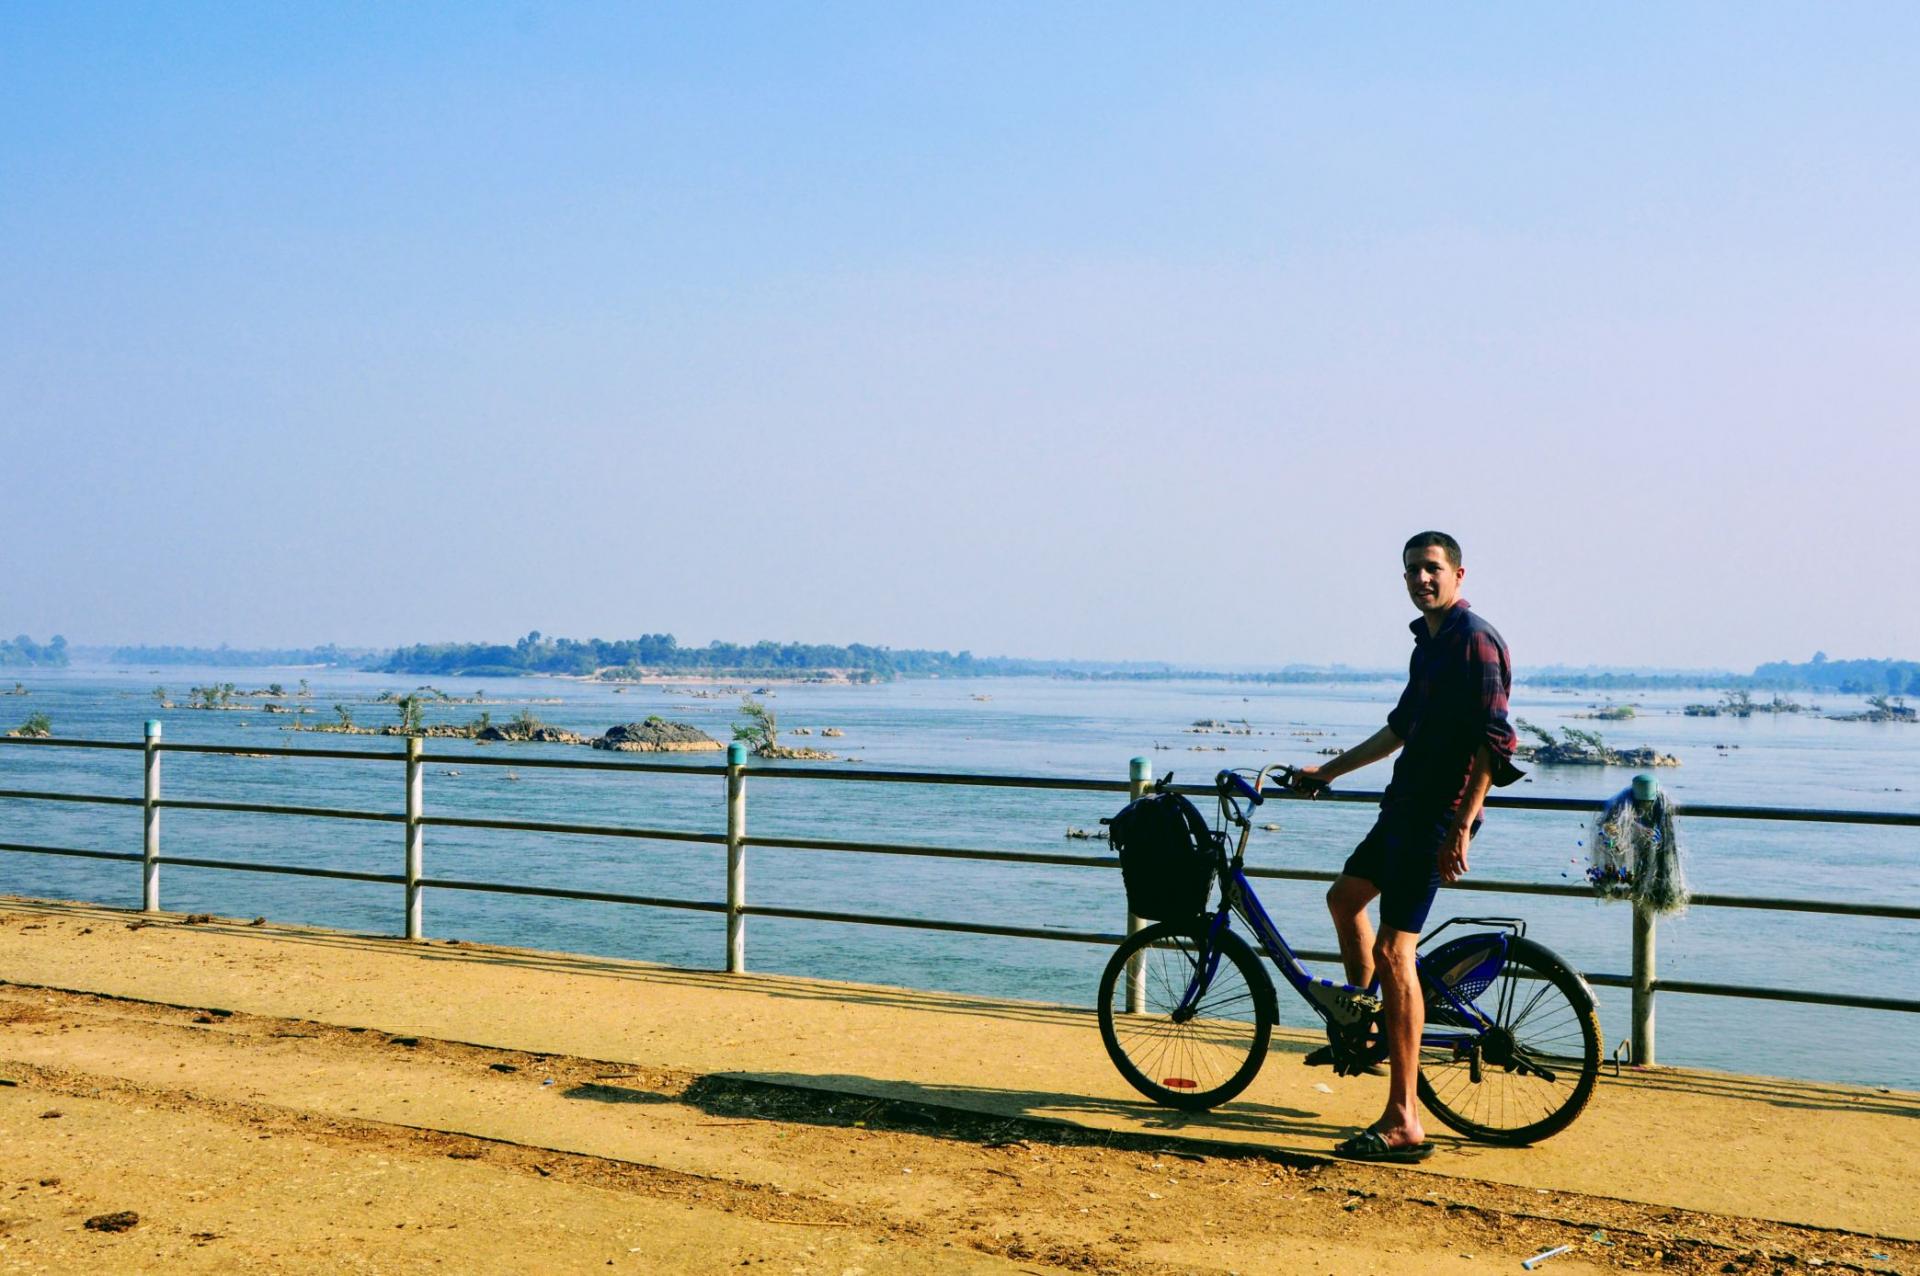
(1166, 856)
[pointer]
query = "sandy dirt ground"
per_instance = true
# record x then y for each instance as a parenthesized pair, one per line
(149, 1137)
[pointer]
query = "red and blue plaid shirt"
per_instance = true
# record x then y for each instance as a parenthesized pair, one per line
(1455, 701)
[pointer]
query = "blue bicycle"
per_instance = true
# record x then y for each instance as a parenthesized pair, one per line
(1511, 1049)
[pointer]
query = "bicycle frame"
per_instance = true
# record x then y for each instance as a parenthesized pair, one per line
(1338, 1003)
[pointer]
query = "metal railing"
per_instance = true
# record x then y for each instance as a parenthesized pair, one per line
(1642, 979)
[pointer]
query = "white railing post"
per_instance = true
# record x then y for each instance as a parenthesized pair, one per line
(150, 809)
(416, 803)
(1139, 777)
(1645, 790)
(736, 858)
(1643, 977)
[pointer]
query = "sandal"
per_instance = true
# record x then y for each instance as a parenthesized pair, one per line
(1369, 1146)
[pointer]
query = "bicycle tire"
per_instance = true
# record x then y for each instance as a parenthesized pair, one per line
(1543, 1013)
(1201, 1061)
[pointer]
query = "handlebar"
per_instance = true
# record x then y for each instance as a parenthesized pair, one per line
(1232, 784)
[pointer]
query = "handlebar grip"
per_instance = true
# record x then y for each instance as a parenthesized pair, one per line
(1236, 782)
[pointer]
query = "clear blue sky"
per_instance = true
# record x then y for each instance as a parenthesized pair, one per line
(1059, 330)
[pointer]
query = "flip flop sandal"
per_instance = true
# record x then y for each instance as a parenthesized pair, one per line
(1369, 1146)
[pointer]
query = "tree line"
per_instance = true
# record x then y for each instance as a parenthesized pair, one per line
(1848, 677)
(233, 657)
(23, 651)
(538, 654)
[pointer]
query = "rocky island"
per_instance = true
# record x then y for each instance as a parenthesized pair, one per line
(1574, 747)
(656, 735)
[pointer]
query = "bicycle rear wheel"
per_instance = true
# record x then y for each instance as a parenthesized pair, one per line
(1531, 1073)
(1201, 1056)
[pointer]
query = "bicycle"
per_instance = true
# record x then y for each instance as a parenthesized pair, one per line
(1509, 1055)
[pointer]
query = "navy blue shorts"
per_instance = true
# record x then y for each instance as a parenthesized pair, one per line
(1401, 855)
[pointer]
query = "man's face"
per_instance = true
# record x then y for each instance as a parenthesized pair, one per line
(1432, 582)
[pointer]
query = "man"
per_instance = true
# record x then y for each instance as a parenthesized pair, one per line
(1452, 720)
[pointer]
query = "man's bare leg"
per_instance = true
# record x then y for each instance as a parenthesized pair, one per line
(1405, 1016)
(1347, 901)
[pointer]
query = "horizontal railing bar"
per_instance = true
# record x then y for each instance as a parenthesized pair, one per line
(263, 808)
(1805, 905)
(588, 830)
(1371, 797)
(554, 892)
(284, 751)
(25, 849)
(49, 742)
(1787, 994)
(1811, 815)
(1600, 978)
(985, 781)
(575, 764)
(924, 923)
(931, 852)
(290, 870)
(1842, 907)
(1315, 875)
(1705, 810)
(29, 795)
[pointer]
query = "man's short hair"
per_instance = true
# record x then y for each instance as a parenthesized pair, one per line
(1427, 540)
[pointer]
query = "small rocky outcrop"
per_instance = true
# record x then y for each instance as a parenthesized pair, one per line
(656, 735)
(1217, 726)
(1881, 709)
(538, 733)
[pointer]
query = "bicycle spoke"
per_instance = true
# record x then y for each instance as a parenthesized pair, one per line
(1537, 1025)
(1217, 1040)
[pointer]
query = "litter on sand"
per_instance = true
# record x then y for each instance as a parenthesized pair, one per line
(1543, 1256)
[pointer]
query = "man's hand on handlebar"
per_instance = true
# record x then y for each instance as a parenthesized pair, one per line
(1306, 780)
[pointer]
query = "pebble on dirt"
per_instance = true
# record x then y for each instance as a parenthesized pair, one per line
(119, 1221)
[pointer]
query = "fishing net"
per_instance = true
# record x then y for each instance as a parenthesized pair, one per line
(1636, 853)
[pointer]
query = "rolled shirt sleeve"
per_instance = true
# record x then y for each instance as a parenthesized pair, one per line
(1491, 662)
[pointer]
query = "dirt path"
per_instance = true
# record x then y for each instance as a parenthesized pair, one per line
(253, 1141)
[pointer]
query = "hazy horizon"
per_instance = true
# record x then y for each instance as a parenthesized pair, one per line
(96, 652)
(1114, 333)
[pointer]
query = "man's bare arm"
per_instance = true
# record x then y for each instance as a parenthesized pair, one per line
(1479, 780)
(1376, 746)
(1452, 859)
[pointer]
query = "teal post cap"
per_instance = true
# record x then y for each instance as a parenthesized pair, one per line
(153, 728)
(736, 754)
(1140, 769)
(1645, 788)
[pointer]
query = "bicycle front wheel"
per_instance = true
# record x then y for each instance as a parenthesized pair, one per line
(1530, 1073)
(1187, 1047)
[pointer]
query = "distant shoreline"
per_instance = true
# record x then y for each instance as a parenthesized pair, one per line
(657, 659)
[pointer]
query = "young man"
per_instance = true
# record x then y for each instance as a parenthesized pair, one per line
(1452, 721)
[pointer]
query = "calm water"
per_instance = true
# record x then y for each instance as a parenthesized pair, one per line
(1029, 726)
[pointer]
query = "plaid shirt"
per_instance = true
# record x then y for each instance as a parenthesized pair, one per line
(1455, 701)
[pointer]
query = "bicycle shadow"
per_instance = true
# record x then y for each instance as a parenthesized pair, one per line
(982, 1113)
